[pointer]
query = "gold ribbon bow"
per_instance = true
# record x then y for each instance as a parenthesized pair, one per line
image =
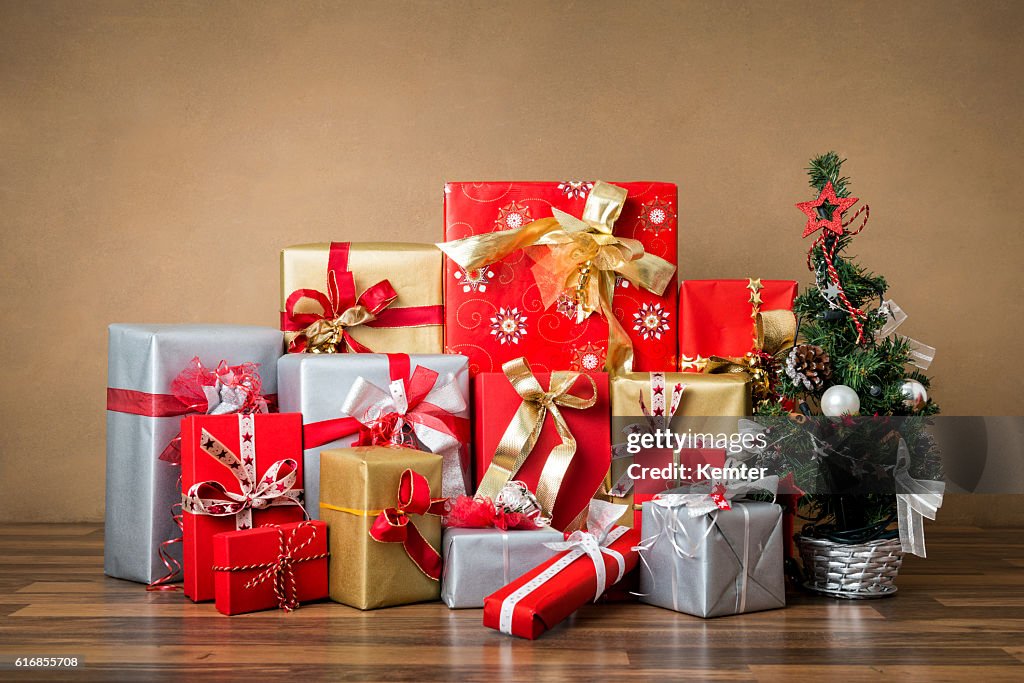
(577, 255)
(330, 332)
(775, 330)
(523, 431)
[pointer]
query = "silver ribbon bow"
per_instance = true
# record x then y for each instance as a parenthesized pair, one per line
(367, 403)
(698, 499)
(921, 354)
(915, 500)
(224, 400)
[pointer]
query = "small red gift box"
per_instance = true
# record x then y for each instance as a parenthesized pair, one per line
(502, 301)
(270, 566)
(237, 472)
(581, 573)
(718, 317)
(687, 460)
(499, 409)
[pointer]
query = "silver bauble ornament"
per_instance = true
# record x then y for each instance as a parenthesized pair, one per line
(915, 396)
(838, 400)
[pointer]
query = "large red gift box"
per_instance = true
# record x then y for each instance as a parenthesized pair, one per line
(270, 566)
(546, 595)
(496, 404)
(496, 313)
(718, 317)
(237, 472)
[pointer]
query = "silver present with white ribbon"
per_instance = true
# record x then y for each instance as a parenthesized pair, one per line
(711, 562)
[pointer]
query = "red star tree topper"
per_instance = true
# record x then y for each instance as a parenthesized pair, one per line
(834, 223)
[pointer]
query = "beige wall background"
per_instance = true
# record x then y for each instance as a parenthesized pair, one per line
(156, 155)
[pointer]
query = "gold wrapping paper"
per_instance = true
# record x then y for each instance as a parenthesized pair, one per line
(365, 573)
(414, 270)
(710, 396)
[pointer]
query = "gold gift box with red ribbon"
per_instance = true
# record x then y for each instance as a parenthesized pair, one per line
(705, 402)
(384, 525)
(381, 297)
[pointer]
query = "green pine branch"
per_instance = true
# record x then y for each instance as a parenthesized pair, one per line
(826, 168)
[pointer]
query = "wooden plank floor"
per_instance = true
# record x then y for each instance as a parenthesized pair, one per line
(959, 616)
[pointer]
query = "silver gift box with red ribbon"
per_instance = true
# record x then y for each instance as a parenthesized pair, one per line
(420, 401)
(144, 413)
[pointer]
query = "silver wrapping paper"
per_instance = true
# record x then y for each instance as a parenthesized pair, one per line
(316, 385)
(478, 562)
(737, 568)
(141, 488)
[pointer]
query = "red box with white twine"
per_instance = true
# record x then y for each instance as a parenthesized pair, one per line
(237, 472)
(270, 566)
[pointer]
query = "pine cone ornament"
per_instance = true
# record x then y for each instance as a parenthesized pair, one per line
(808, 366)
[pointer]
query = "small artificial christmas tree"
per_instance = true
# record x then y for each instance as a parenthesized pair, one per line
(846, 364)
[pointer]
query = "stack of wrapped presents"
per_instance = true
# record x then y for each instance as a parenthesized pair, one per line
(435, 423)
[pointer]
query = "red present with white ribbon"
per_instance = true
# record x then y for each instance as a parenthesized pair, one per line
(589, 563)
(237, 472)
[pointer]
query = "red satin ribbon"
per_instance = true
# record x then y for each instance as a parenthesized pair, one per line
(393, 525)
(341, 296)
(163, 551)
(161, 405)
(418, 383)
(148, 405)
(155, 405)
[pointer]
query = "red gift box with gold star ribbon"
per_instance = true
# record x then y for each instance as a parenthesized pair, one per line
(500, 311)
(718, 317)
(237, 472)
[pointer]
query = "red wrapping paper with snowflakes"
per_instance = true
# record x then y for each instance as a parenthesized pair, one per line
(496, 313)
(718, 317)
(237, 472)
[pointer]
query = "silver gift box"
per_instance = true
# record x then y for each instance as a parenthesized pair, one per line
(141, 488)
(317, 385)
(725, 562)
(478, 562)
